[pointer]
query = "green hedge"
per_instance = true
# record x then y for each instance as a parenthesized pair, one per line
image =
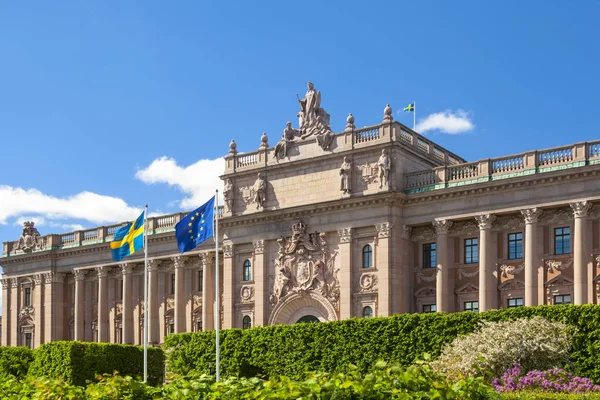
(291, 350)
(78, 362)
(15, 361)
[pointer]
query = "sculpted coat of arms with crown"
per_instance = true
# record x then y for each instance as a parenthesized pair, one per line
(29, 240)
(304, 264)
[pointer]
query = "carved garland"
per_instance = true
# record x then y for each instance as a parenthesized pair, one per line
(462, 274)
(511, 269)
(421, 277)
(557, 265)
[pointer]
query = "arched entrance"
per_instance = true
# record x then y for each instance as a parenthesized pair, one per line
(307, 319)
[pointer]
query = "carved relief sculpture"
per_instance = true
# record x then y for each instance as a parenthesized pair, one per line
(368, 283)
(260, 191)
(304, 264)
(384, 164)
(228, 194)
(30, 238)
(287, 139)
(345, 177)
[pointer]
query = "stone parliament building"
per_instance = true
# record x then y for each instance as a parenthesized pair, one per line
(327, 226)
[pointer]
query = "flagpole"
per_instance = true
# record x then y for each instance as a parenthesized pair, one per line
(146, 307)
(218, 296)
(414, 115)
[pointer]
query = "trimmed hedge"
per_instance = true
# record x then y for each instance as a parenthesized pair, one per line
(79, 362)
(15, 361)
(291, 350)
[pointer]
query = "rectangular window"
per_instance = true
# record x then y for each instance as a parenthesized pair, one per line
(472, 306)
(429, 308)
(172, 283)
(28, 339)
(517, 302)
(562, 299)
(429, 256)
(200, 279)
(562, 240)
(515, 246)
(27, 299)
(471, 251)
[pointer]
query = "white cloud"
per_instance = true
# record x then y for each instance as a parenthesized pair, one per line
(197, 181)
(447, 122)
(57, 211)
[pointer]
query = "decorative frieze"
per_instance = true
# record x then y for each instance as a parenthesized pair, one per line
(581, 209)
(508, 223)
(37, 279)
(442, 227)
(383, 229)
(461, 273)
(531, 215)
(560, 216)
(421, 277)
(464, 228)
(485, 221)
(423, 234)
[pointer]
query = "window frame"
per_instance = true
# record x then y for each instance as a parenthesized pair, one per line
(28, 337)
(515, 299)
(470, 244)
(27, 296)
(370, 312)
(562, 296)
(173, 284)
(200, 280)
(367, 251)
(471, 308)
(247, 270)
(246, 322)
(429, 255)
(518, 243)
(562, 237)
(431, 307)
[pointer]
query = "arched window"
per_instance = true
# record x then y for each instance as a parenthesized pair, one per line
(247, 270)
(367, 312)
(367, 256)
(246, 322)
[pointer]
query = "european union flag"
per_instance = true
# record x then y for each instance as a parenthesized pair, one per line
(195, 227)
(128, 239)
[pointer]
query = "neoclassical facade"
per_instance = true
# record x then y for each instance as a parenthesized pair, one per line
(326, 226)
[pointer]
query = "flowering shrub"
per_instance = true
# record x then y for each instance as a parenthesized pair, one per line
(534, 343)
(552, 380)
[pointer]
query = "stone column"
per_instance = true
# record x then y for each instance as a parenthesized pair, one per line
(345, 274)
(112, 313)
(102, 304)
(14, 311)
(403, 279)
(442, 291)
(5, 312)
(190, 277)
(79, 304)
(54, 307)
(208, 294)
(151, 311)
(487, 288)
(261, 290)
(384, 269)
(89, 300)
(127, 313)
(228, 285)
(531, 216)
(179, 313)
(580, 213)
(38, 310)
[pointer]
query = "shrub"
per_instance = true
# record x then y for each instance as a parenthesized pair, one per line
(15, 361)
(78, 362)
(552, 380)
(533, 343)
(291, 350)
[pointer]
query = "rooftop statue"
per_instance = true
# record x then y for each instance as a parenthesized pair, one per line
(29, 239)
(313, 119)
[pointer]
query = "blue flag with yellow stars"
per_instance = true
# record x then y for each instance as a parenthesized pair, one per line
(128, 239)
(196, 227)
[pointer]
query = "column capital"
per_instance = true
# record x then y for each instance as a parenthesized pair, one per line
(153, 265)
(14, 282)
(179, 261)
(442, 226)
(406, 232)
(102, 272)
(227, 249)
(581, 209)
(345, 235)
(485, 221)
(531, 215)
(58, 277)
(38, 278)
(5, 282)
(80, 274)
(206, 259)
(126, 268)
(259, 246)
(383, 229)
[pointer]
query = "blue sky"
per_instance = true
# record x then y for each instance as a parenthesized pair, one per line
(106, 105)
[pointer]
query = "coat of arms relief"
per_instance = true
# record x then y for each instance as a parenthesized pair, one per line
(305, 264)
(30, 239)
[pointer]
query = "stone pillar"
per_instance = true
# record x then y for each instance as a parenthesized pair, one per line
(127, 313)
(403, 279)
(112, 313)
(102, 304)
(531, 216)
(79, 304)
(162, 308)
(443, 295)
(345, 274)
(38, 310)
(580, 213)
(228, 285)
(89, 300)
(384, 269)
(54, 307)
(190, 278)
(14, 312)
(5, 312)
(151, 312)
(179, 313)
(208, 293)
(487, 288)
(261, 289)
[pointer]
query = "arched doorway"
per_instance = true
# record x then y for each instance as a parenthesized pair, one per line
(308, 319)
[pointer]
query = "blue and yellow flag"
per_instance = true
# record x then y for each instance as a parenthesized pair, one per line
(196, 227)
(410, 107)
(128, 239)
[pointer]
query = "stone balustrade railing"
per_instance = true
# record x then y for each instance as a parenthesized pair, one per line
(347, 140)
(532, 162)
(102, 234)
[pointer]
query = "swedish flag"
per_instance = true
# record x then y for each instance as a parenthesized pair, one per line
(128, 239)
(196, 227)
(410, 107)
